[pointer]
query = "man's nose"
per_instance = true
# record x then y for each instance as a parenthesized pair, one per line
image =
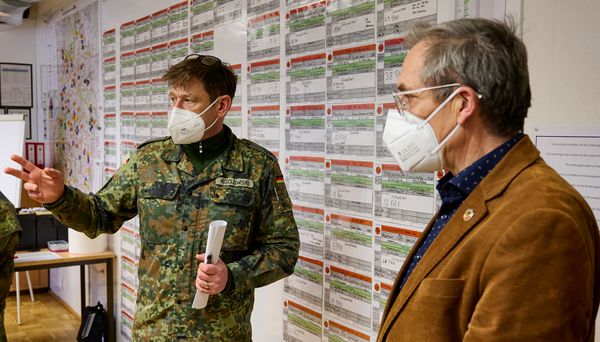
(178, 104)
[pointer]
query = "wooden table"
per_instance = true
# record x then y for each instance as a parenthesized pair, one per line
(76, 259)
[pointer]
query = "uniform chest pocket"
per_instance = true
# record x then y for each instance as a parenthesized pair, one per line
(236, 206)
(157, 207)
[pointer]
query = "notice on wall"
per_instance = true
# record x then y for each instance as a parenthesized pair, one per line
(575, 155)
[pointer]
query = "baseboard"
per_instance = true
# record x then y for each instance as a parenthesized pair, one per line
(67, 306)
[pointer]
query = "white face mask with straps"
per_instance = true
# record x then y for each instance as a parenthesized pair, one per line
(412, 141)
(187, 127)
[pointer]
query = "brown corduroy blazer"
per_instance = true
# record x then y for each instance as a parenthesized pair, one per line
(518, 261)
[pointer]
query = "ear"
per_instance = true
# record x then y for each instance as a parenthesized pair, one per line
(223, 106)
(468, 104)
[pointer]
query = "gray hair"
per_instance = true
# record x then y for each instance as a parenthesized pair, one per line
(485, 55)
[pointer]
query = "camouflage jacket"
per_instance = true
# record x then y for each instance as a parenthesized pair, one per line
(243, 186)
(9, 239)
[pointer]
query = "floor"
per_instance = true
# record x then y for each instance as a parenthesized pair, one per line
(46, 319)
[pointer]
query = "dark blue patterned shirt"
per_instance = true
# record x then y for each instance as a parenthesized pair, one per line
(454, 190)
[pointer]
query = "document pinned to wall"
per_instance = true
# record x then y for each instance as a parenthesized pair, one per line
(575, 154)
(16, 84)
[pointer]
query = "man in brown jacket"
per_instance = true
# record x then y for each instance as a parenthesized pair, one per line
(513, 253)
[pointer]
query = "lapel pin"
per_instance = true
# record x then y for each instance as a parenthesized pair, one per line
(468, 215)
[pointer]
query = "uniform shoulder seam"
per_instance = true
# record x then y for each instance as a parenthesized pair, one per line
(147, 142)
(257, 147)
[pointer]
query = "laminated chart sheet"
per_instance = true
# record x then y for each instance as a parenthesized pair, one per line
(159, 98)
(263, 36)
(263, 82)
(381, 152)
(159, 60)
(394, 17)
(203, 43)
(263, 126)
(127, 95)
(306, 284)
(349, 186)
(160, 26)
(300, 323)
(108, 70)
(305, 80)
(349, 22)
(234, 120)
(305, 29)
(311, 230)
(391, 247)
(110, 128)
(110, 99)
(390, 57)
(110, 154)
(159, 124)
(261, 6)
(348, 242)
(143, 127)
(227, 11)
(109, 43)
(335, 331)
(178, 50)
(202, 15)
(143, 62)
(127, 40)
(305, 129)
(143, 32)
(306, 180)
(347, 304)
(127, 66)
(350, 130)
(143, 93)
(351, 74)
(179, 21)
(403, 198)
(239, 89)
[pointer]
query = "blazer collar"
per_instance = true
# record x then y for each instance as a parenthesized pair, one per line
(472, 210)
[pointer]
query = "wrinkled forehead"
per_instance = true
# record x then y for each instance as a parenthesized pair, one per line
(192, 87)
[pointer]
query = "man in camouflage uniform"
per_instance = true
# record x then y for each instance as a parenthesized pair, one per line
(177, 190)
(9, 239)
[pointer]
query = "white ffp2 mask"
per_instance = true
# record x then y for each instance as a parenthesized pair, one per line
(412, 141)
(187, 127)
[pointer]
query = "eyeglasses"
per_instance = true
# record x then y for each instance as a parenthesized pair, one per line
(401, 99)
(210, 61)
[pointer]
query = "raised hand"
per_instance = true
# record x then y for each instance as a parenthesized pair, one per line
(45, 186)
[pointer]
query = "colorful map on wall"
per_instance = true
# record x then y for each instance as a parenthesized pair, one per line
(76, 126)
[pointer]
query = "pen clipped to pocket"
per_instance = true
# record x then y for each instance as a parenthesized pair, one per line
(216, 232)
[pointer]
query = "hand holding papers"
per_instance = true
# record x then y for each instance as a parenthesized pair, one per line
(216, 231)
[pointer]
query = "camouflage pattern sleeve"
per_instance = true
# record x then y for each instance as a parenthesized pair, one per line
(8, 217)
(9, 239)
(276, 241)
(105, 211)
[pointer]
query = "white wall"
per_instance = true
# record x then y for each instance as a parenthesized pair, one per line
(17, 45)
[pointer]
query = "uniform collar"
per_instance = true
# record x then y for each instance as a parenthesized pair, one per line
(234, 162)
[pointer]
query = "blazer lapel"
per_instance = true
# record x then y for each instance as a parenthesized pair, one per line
(465, 218)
